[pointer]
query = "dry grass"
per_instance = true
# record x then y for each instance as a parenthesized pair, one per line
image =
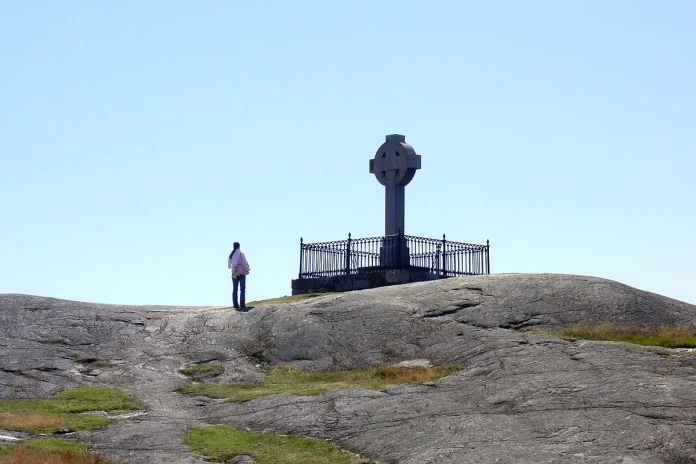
(669, 337)
(48, 452)
(48, 422)
(29, 421)
(288, 380)
(51, 415)
(41, 457)
(286, 299)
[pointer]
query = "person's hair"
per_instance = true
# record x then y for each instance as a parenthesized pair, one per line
(236, 247)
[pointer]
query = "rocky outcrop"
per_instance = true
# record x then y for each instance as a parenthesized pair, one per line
(520, 397)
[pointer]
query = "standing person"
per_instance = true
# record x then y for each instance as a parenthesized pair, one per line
(239, 266)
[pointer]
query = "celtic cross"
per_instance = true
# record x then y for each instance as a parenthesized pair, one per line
(394, 166)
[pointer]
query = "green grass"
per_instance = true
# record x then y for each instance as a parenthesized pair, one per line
(286, 299)
(61, 412)
(668, 337)
(292, 381)
(47, 446)
(47, 452)
(202, 371)
(221, 443)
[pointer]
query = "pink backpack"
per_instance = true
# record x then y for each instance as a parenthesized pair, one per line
(242, 267)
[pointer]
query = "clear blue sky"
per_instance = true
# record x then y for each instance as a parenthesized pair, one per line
(138, 140)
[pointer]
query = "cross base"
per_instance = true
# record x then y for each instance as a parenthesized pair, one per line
(394, 252)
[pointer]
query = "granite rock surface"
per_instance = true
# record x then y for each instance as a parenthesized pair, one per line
(520, 396)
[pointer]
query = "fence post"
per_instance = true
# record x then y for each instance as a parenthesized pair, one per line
(347, 264)
(488, 256)
(399, 250)
(444, 256)
(301, 256)
(437, 260)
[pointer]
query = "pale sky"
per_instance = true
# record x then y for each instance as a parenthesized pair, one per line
(139, 140)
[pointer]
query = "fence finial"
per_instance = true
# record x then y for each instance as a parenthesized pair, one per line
(348, 235)
(487, 242)
(300, 240)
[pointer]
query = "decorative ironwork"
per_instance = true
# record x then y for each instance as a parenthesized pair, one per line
(393, 252)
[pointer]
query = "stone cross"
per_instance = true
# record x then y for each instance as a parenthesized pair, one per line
(394, 165)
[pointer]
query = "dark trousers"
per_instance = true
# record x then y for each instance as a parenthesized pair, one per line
(239, 283)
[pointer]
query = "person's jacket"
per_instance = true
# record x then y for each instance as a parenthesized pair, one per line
(232, 262)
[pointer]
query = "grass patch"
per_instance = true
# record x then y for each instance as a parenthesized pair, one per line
(286, 299)
(48, 452)
(292, 381)
(668, 337)
(678, 458)
(222, 443)
(61, 412)
(202, 371)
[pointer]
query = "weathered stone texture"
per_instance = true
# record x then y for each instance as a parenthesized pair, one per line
(520, 397)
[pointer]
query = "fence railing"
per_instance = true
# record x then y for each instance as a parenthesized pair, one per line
(441, 257)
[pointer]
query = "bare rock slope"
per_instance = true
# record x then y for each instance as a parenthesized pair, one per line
(520, 397)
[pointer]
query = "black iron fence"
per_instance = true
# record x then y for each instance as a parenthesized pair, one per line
(441, 257)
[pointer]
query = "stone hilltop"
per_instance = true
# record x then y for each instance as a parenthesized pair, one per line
(520, 397)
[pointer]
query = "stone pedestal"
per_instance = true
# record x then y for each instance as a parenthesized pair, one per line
(362, 280)
(394, 252)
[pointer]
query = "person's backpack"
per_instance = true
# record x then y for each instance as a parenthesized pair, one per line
(242, 266)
